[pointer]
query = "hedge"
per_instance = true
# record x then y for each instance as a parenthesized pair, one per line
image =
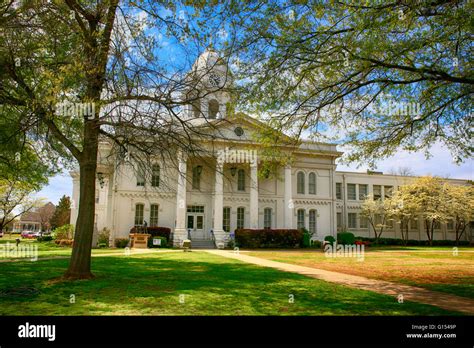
(164, 242)
(329, 239)
(412, 242)
(268, 238)
(346, 238)
(121, 242)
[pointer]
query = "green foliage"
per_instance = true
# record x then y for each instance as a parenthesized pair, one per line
(103, 237)
(121, 242)
(411, 242)
(306, 238)
(268, 238)
(62, 214)
(44, 238)
(345, 238)
(330, 239)
(164, 242)
(316, 244)
(399, 73)
(64, 232)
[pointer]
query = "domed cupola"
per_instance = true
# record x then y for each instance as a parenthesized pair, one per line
(208, 85)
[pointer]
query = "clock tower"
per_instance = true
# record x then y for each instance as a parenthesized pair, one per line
(207, 92)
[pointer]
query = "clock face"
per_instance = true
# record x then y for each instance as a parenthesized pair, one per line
(214, 80)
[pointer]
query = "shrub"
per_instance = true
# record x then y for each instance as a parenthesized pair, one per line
(103, 238)
(64, 232)
(329, 239)
(164, 242)
(102, 245)
(306, 242)
(121, 242)
(316, 244)
(64, 242)
(268, 238)
(410, 242)
(345, 238)
(44, 239)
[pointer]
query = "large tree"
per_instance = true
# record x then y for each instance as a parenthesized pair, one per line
(380, 75)
(75, 73)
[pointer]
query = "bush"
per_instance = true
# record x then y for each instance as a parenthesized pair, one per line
(268, 238)
(44, 239)
(306, 242)
(121, 242)
(329, 239)
(164, 242)
(64, 242)
(316, 244)
(64, 232)
(103, 238)
(411, 242)
(102, 245)
(345, 238)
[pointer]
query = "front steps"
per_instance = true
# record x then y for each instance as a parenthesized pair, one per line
(202, 244)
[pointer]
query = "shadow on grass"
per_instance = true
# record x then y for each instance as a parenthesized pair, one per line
(187, 284)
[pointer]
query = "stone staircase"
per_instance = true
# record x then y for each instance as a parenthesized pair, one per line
(202, 244)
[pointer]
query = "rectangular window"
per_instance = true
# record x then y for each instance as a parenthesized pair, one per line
(195, 209)
(226, 219)
(413, 224)
(362, 192)
(96, 196)
(241, 180)
(155, 176)
(312, 221)
(154, 215)
(197, 177)
(351, 192)
(437, 225)
(267, 218)
(240, 217)
(300, 215)
(339, 220)
(388, 191)
(450, 225)
(352, 217)
(139, 209)
(140, 177)
(378, 220)
(338, 190)
(364, 222)
(389, 223)
(377, 192)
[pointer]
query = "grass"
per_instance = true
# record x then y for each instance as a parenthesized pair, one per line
(151, 284)
(434, 268)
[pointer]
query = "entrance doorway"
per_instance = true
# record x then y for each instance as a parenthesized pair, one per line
(195, 221)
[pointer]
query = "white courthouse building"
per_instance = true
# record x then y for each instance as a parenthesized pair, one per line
(207, 199)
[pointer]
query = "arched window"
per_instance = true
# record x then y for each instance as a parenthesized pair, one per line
(267, 218)
(312, 183)
(213, 108)
(154, 215)
(241, 180)
(312, 221)
(300, 215)
(139, 209)
(240, 217)
(155, 176)
(300, 183)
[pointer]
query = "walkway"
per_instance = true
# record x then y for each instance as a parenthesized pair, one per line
(410, 293)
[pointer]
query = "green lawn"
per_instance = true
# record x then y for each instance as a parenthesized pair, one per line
(151, 284)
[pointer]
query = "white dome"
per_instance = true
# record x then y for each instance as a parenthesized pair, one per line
(209, 60)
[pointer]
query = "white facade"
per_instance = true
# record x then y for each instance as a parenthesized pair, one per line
(229, 192)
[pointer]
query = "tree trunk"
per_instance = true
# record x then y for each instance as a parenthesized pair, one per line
(80, 265)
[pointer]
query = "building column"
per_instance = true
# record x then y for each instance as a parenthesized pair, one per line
(219, 233)
(180, 232)
(253, 195)
(289, 205)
